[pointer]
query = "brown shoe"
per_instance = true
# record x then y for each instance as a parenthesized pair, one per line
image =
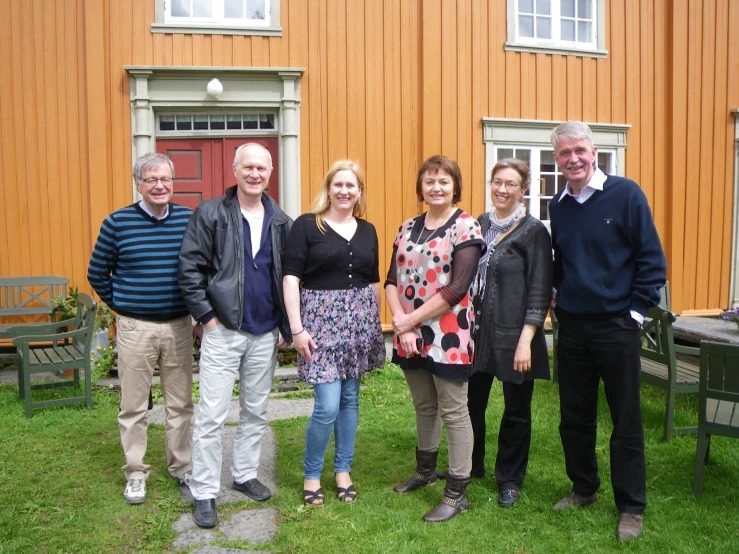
(573, 500)
(629, 526)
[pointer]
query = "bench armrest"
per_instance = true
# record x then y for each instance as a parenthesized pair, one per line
(36, 328)
(25, 340)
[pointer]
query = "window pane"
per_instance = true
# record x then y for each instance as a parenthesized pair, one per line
(525, 6)
(544, 208)
(568, 30)
(202, 8)
(255, 9)
(604, 161)
(251, 121)
(543, 27)
(217, 122)
(547, 186)
(233, 9)
(180, 8)
(184, 123)
(524, 155)
(166, 123)
(544, 7)
(567, 8)
(526, 26)
(547, 158)
(584, 31)
(561, 182)
(233, 122)
(505, 153)
(584, 9)
(200, 122)
(266, 121)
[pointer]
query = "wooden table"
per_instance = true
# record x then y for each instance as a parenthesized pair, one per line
(696, 329)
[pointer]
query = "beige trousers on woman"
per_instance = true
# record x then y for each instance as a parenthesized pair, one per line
(435, 398)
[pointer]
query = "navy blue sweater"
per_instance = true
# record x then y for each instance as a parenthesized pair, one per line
(133, 267)
(608, 258)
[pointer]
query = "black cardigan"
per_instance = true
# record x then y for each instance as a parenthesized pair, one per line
(518, 290)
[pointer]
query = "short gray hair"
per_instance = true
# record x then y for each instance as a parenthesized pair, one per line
(248, 144)
(149, 161)
(572, 130)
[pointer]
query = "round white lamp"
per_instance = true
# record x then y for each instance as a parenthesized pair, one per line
(214, 88)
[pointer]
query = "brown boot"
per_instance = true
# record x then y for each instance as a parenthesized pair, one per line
(454, 501)
(425, 473)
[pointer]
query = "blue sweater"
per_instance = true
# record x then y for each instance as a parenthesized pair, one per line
(133, 267)
(608, 258)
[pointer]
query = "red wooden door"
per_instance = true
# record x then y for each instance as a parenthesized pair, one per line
(196, 176)
(204, 167)
(229, 151)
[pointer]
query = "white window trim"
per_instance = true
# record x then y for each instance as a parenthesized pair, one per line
(156, 89)
(531, 133)
(251, 27)
(734, 279)
(564, 48)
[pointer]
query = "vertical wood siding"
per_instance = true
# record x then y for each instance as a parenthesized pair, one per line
(387, 83)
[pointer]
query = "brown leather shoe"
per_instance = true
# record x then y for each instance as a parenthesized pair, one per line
(629, 526)
(454, 501)
(573, 500)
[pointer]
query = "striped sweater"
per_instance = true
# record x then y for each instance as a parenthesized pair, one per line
(133, 267)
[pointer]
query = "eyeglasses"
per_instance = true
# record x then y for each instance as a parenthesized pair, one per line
(508, 184)
(154, 181)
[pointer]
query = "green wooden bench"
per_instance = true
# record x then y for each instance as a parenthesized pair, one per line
(24, 296)
(718, 404)
(661, 366)
(42, 348)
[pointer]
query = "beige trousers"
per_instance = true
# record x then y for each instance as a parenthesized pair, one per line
(142, 346)
(435, 398)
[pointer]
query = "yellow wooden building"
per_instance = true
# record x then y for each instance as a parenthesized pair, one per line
(87, 86)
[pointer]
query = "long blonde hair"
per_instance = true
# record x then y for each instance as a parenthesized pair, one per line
(321, 204)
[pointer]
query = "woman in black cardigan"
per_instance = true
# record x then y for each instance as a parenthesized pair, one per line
(512, 292)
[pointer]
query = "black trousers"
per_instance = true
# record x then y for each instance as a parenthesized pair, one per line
(514, 436)
(588, 351)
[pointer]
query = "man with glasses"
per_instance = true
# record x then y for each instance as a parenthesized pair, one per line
(133, 269)
(608, 268)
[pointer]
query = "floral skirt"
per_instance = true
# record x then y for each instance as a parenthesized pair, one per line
(345, 325)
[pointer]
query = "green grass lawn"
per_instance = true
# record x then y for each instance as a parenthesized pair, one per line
(62, 487)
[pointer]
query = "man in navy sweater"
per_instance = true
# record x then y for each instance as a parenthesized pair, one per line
(133, 269)
(231, 278)
(608, 268)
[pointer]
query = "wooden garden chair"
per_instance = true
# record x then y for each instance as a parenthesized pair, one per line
(718, 408)
(57, 352)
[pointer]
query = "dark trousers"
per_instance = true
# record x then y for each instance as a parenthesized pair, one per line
(587, 352)
(514, 436)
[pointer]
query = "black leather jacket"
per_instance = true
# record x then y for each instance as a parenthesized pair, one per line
(211, 266)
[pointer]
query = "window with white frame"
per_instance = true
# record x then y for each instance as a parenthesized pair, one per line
(218, 16)
(546, 178)
(530, 141)
(575, 26)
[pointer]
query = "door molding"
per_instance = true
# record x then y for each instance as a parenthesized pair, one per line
(154, 88)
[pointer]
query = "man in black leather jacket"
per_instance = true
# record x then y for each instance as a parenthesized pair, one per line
(230, 274)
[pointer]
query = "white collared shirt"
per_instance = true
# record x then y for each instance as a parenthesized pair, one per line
(596, 183)
(148, 211)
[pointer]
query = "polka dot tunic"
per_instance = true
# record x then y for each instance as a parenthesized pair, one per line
(440, 263)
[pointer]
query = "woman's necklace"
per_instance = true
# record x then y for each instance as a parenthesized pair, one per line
(419, 248)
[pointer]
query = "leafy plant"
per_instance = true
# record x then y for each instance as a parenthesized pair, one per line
(731, 315)
(102, 360)
(65, 307)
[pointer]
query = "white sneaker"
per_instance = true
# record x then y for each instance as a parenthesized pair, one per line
(185, 479)
(135, 492)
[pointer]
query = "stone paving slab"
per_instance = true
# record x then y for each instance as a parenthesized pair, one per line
(221, 550)
(255, 526)
(277, 408)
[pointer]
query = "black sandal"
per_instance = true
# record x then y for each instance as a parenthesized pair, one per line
(348, 495)
(311, 498)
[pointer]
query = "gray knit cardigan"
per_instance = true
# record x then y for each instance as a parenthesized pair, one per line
(518, 290)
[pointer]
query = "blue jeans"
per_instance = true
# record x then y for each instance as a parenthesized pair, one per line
(336, 407)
